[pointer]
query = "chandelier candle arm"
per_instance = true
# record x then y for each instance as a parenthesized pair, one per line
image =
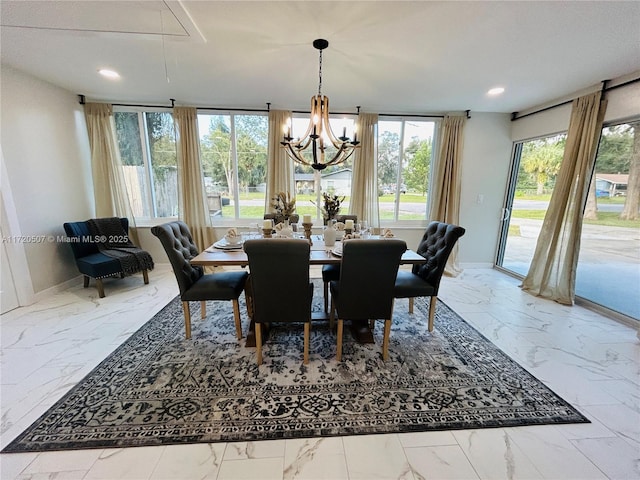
(319, 126)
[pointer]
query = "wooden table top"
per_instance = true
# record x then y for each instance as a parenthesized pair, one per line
(319, 255)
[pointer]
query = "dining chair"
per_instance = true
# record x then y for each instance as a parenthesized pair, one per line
(280, 286)
(424, 280)
(332, 272)
(365, 288)
(193, 283)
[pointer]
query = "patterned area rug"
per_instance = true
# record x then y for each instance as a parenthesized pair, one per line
(158, 388)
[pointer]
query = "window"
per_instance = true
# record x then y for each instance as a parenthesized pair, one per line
(535, 165)
(233, 151)
(148, 150)
(335, 180)
(405, 149)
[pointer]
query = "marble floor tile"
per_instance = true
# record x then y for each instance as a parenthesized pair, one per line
(315, 459)
(251, 450)
(613, 456)
(446, 462)
(125, 463)
(200, 461)
(252, 469)
(376, 457)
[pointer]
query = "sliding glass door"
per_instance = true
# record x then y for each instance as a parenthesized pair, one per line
(608, 272)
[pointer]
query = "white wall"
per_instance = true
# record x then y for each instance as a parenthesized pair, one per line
(485, 167)
(46, 153)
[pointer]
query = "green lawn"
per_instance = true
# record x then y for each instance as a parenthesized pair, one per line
(607, 219)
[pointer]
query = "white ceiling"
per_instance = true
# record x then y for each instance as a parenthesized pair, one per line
(393, 56)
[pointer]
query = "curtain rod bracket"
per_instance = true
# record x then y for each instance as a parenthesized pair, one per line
(81, 99)
(268, 106)
(173, 102)
(468, 113)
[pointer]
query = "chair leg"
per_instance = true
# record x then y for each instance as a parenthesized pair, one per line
(326, 297)
(339, 345)
(145, 277)
(259, 343)
(187, 320)
(332, 315)
(236, 317)
(432, 311)
(410, 304)
(100, 287)
(372, 325)
(86, 281)
(307, 334)
(203, 309)
(385, 339)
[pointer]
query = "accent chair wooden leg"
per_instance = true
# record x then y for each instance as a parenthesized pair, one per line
(411, 305)
(86, 281)
(259, 343)
(372, 324)
(307, 334)
(203, 309)
(145, 277)
(432, 312)
(100, 287)
(385, 339)
(236, 317)
(187, 320)
(339, 344)
(326, 297)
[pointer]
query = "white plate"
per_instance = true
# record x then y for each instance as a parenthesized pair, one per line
(337, 251)
(224, 245)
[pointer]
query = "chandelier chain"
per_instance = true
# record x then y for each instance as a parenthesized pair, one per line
(320, 74)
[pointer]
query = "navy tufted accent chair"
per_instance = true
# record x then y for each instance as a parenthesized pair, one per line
(424, 280)
(89, 260)
(193, 283)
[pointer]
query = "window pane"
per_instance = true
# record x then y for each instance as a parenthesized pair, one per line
(537, 162)
(403, 185)
(414, 174)
(133, 164)
(609, 263)
(335, 179)
(164, 163)
(251, 133)
(388, 164)
(217, 163)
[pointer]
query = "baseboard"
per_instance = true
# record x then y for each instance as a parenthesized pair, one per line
(476, 265)
(41, 295)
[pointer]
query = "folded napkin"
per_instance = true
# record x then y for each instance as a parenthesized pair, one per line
(387, 233)
(284, 231)
(232, 236)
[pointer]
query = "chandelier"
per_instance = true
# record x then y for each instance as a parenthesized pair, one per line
(319, 133)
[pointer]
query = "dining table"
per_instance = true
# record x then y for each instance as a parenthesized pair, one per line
(222, 254)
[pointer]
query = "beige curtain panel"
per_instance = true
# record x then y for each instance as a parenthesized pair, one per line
(192, 207)
(445, 197)
(364, 181)
(552, 273)
(109, 187)
(280, 168)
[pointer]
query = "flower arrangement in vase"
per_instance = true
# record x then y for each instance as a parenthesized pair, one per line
(330, 207)
(285, 206)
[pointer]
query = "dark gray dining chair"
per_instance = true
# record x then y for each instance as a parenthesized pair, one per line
(193, 283)
(280, 286)
(366, 285)
(424, 280)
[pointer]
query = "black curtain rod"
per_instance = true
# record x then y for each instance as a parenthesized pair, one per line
(82, 101)
(515, 116)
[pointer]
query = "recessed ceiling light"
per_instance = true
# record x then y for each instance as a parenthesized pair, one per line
(105, 72)
(495, 91)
